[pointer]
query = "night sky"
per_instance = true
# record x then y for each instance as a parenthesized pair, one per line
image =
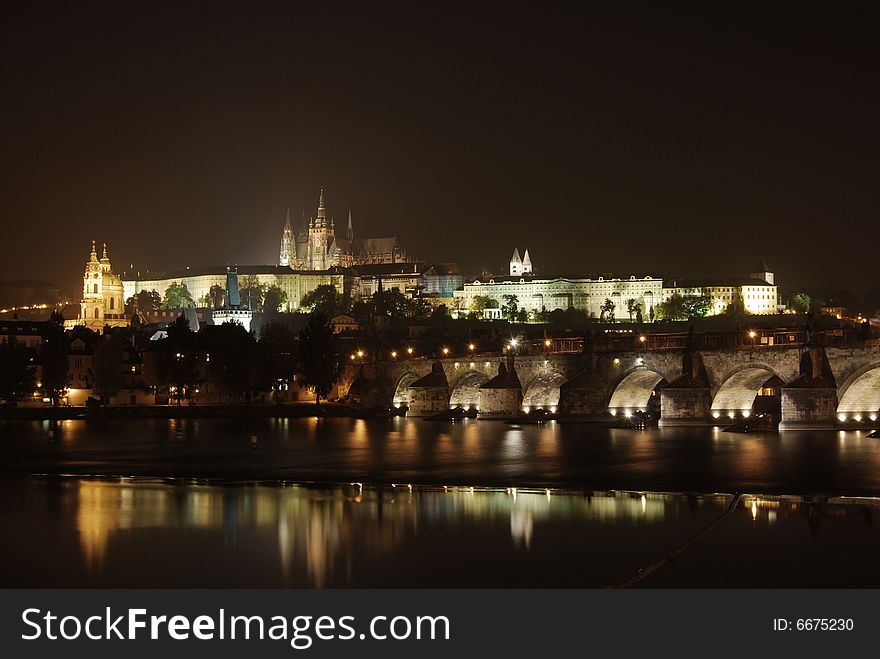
(646, 142)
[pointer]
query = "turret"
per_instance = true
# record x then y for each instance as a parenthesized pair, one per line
(526, 264)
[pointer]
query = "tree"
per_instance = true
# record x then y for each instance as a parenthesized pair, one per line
(177, 357)
(276, 352)
(147, 301)
(17, 376)
(325, 300)
(252, 292)
(681, 307)
(522, 316)
(106, 364)
(232, 350)
(391, 303)
(510, 307)
(54, 359)
(319, 355)
(633, 307)
(607, 311)
(177, 296)
(800, 302)
(274, 299)
(697, 306)
(213, 299)
(480, 303)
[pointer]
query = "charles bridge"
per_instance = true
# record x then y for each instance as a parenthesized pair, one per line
(828, 379)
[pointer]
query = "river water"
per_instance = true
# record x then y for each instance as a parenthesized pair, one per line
(403, 502)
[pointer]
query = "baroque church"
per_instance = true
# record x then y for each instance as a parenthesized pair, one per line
(103, 301)
(317, 247)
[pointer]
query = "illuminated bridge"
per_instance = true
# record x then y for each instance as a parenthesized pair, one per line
(689, 381)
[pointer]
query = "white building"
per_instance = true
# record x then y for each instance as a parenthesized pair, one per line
(199, 281)
(758, 294)
(535, 293)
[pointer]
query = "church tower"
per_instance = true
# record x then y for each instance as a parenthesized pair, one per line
(349, 233)
(762, 271)
(516, 264)
(103, 294)
(286, 242)
(92, 305)
(322, 235)
(526, 264)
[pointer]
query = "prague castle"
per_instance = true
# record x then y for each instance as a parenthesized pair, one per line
(317, 247)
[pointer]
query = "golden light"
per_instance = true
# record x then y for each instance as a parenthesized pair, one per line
(547, 342)
(751, 334)
(445, 351)
(470, 346)
(360, 353)
(409, 350)
(394, 353)
(353, 356)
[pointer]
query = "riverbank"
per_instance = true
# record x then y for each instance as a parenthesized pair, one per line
(232, 410)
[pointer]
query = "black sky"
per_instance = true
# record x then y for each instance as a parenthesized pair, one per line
(603, 140)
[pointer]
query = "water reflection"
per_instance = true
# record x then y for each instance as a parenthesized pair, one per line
(134, 532)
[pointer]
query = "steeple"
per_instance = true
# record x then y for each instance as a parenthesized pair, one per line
(526, 263)
(321, 217)
(516, 264)
(286, 242)
(349, 233)
(93, 257)
(105, 258)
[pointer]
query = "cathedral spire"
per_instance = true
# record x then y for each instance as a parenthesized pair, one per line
(93, 257)
(349, 233)
(105, 257)
(322, 208)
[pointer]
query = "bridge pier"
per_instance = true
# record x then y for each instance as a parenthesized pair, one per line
(684, 406)
(808, 408)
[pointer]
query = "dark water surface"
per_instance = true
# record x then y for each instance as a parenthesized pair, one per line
(74, 531)
(479, 503)
(481, 453)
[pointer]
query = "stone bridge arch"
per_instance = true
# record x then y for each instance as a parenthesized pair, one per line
(543, 391)
(860, 392)
(402, 392)
(740, 387)
(466, 390)
(635, 389)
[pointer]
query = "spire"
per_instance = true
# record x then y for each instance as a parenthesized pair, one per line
(287, 224)
(322, 208)
(527, 263)
(350, 231)
(93, 257)
(105, 257)
(516, 264)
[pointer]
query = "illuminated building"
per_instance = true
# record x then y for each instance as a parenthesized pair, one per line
(317, 247)
(536, 293)
(232, 310)
(199, 281)
(757, 294)
(103, 301)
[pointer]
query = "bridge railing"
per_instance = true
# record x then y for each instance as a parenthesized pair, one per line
(630, 341)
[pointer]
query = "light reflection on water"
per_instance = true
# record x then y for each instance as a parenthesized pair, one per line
(131, 532)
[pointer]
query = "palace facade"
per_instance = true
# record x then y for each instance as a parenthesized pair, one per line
(200, 281)
(535, 293)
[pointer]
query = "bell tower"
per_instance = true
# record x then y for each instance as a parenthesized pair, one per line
(92, 305)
